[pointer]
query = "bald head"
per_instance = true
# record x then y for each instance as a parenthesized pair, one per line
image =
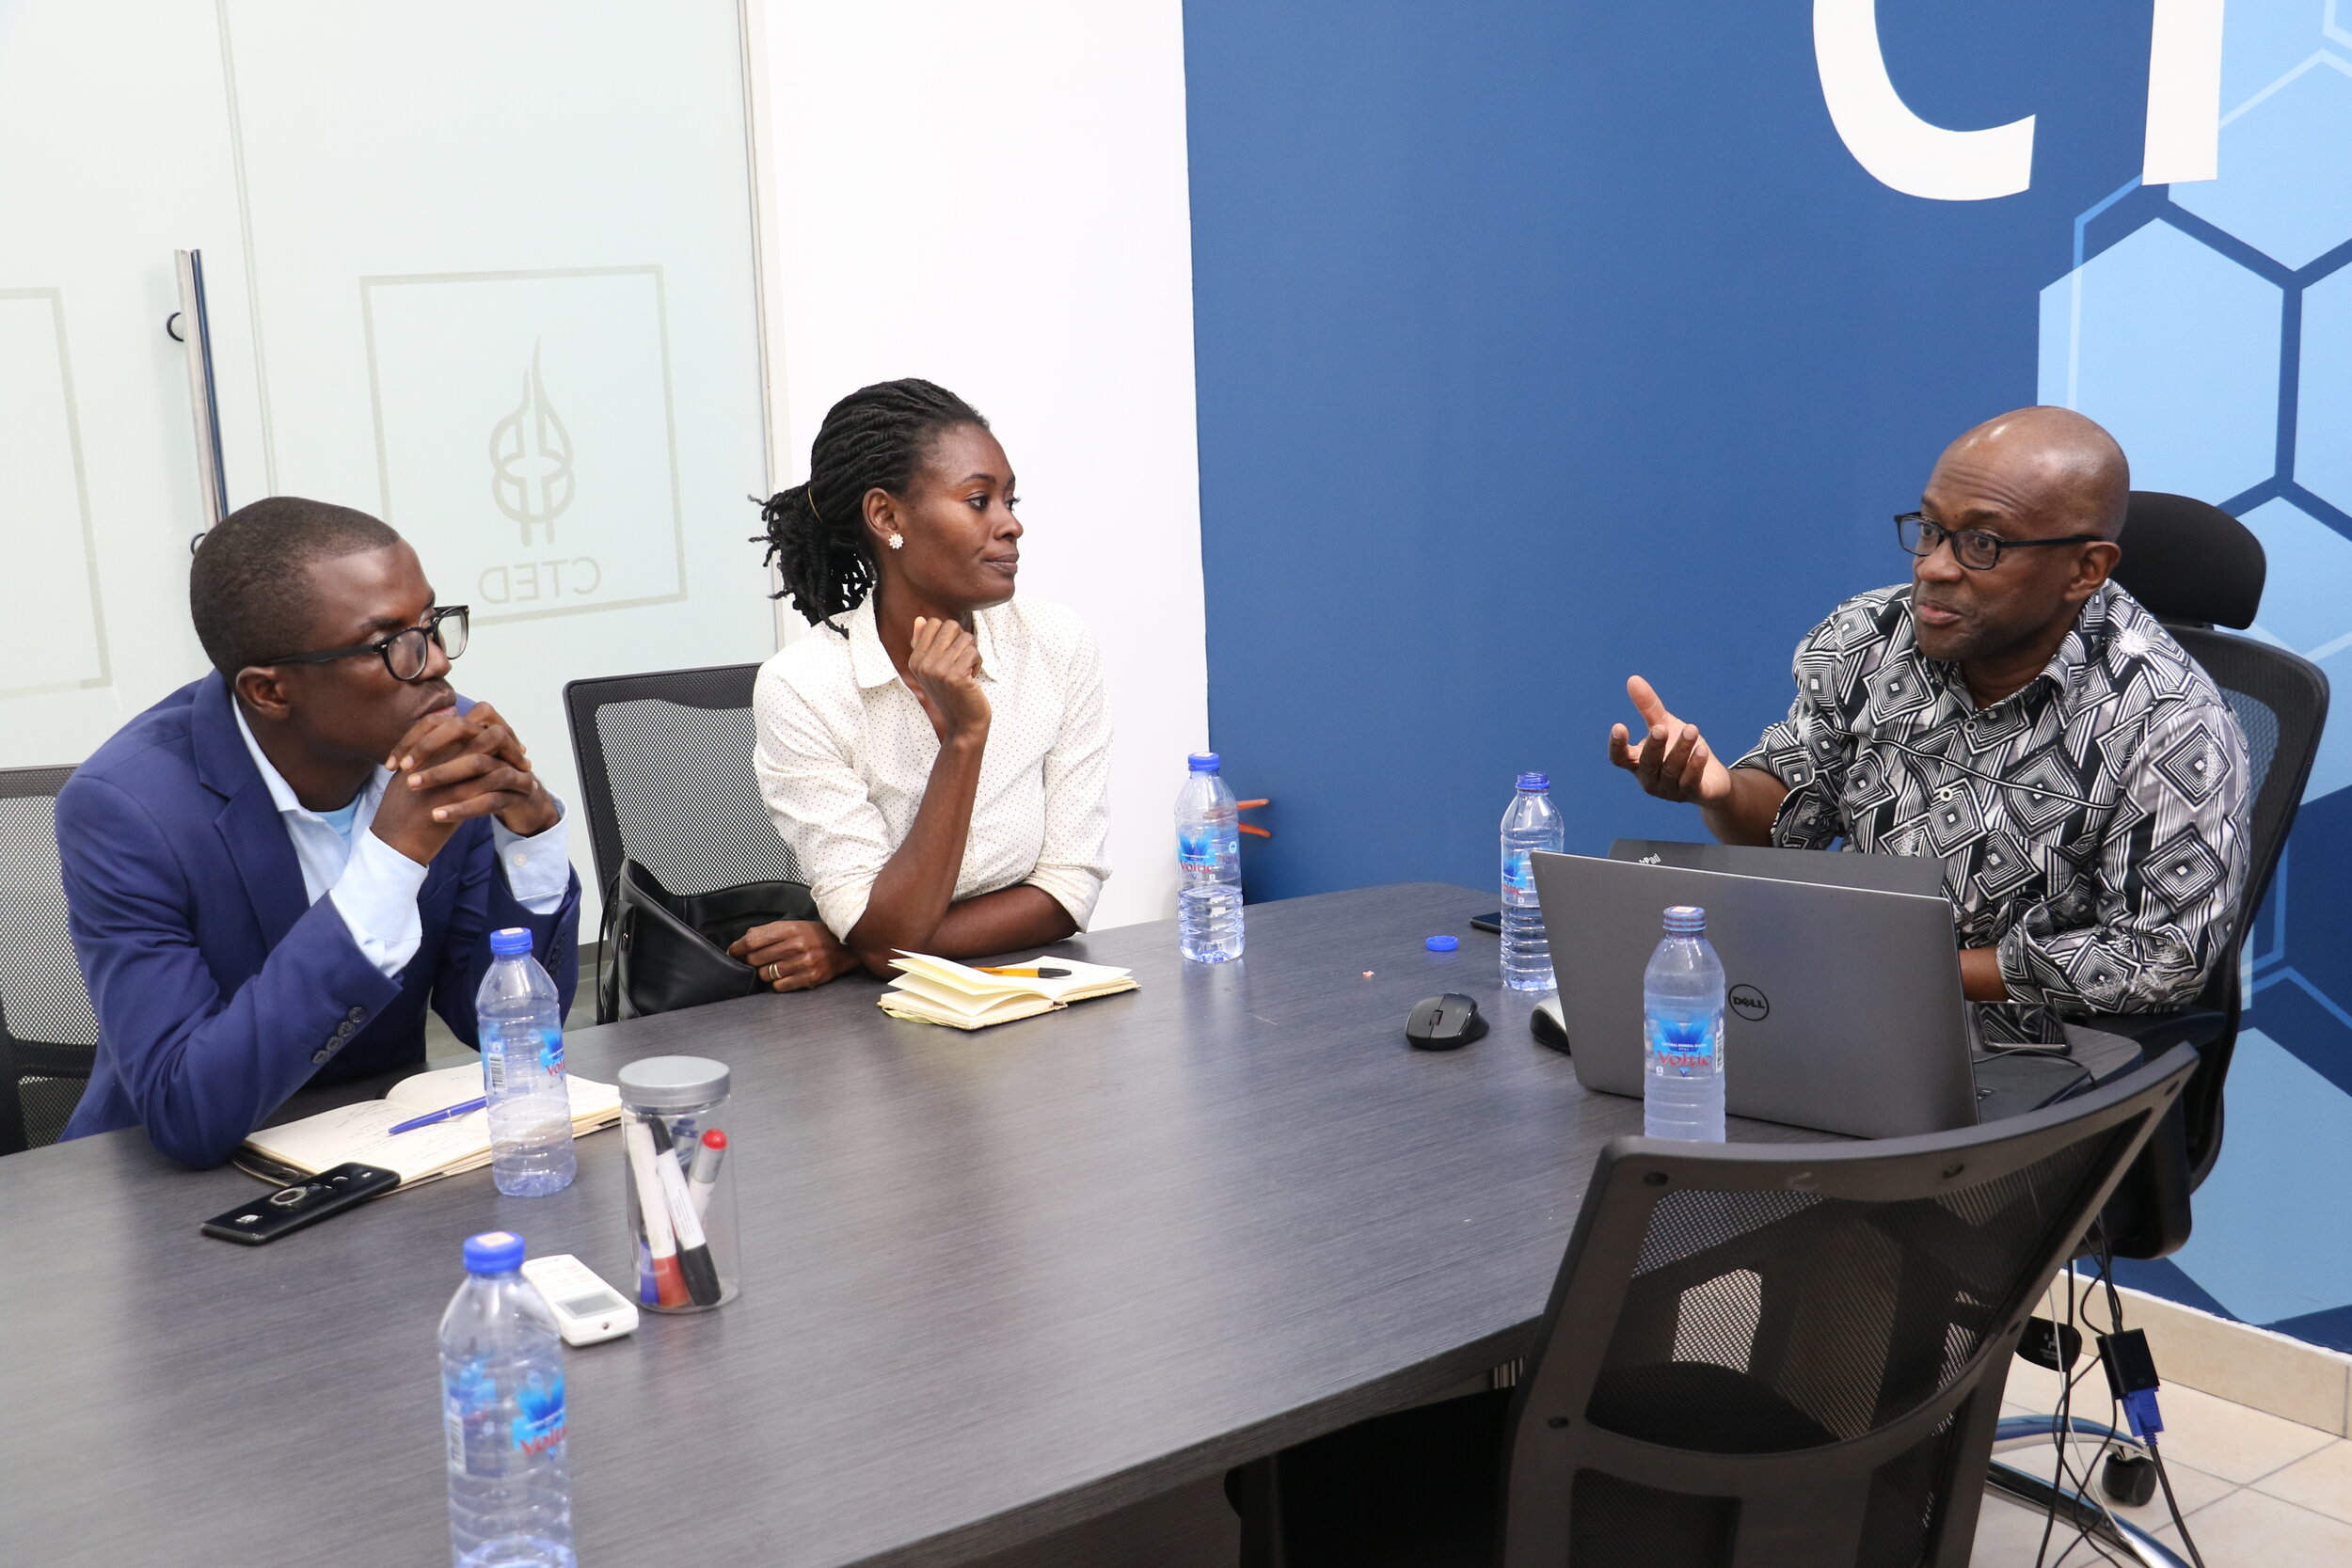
(2061, 473)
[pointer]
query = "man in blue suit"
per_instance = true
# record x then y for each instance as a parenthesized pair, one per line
(273, 871)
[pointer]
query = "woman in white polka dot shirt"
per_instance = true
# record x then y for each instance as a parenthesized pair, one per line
(935, 751)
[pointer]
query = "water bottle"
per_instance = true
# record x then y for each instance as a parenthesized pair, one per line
(520, 1019)
(1682, 1030)
(1208, 856)
(1532, 823)
(510, 1489)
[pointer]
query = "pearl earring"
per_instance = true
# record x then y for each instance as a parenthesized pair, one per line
(897, 541)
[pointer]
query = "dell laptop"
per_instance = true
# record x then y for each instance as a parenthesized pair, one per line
(1844, 1012)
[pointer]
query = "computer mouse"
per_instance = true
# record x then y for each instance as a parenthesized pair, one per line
(1443, 1022)
(1548, 1026)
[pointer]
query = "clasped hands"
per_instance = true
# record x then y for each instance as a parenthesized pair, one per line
(452, 768)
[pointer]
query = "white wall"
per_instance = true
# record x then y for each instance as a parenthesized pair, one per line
(993, 196)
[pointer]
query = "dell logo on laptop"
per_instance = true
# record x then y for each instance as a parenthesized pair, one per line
(1749, 1002)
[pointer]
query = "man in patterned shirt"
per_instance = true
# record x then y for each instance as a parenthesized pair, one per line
(2018, 715)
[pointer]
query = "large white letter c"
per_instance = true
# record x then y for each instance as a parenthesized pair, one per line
(1898, 147)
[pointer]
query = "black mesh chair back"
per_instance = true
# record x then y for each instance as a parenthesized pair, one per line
(2196, 568)
(665, 770)
(1792, 1355)
(48, 1035)
(2280, 699)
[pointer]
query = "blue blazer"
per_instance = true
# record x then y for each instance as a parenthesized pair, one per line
(219, 988)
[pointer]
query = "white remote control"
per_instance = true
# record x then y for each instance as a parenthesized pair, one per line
(586, 1308)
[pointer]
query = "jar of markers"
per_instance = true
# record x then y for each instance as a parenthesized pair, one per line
(680, 1202)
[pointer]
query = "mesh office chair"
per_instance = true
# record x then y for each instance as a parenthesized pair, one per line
(665, 765)
(2195, 567)
(1756, 1356)
(48, 1037)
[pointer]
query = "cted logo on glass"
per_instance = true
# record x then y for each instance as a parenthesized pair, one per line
(526, 440)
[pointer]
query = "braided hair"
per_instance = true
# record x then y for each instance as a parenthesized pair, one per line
(873, 439)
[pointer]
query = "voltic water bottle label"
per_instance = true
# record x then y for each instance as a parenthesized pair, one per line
(1196, 845)
(539, 1426)
(551, 1050)
(1519, 871)
(1682, 1044)
(493, 1062)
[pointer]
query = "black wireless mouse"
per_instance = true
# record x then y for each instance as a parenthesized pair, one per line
(1443, 1022)
(1548, 1026)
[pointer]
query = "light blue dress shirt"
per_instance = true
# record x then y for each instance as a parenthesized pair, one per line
(375, 886)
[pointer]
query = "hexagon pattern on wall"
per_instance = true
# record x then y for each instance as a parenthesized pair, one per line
(2268, 194)
(2174, 348)
(2210, 326)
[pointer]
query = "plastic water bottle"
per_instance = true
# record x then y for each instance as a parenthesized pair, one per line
(1208, 855)
(520, 1023)
(1532, 823)
(1682, 1028)
(510, 1490)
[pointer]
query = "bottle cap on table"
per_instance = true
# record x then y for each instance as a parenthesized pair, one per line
(1443, 943)
(494, 1252)
(673, 1083)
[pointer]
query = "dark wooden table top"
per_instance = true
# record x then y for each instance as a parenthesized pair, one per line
(996, 1283)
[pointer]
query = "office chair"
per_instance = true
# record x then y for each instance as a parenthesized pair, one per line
(2196, 568)
(1767, 1356)
(665, 770)
(48, 1035)
(665, 767)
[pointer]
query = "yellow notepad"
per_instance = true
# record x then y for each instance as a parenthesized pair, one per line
(363, 1132)
(940, 990)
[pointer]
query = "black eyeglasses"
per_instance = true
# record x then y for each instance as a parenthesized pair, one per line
(407, 653)
(1973, 548)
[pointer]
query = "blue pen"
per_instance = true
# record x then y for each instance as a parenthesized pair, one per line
(447, 1113)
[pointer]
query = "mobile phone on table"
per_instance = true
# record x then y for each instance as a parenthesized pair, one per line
(289, 1209)
(1487, 923)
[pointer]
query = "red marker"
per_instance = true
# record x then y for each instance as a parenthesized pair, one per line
(704, 1178)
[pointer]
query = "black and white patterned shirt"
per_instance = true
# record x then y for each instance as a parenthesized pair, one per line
(2092, 824)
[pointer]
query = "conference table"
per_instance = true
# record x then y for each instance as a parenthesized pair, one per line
(996, 1284)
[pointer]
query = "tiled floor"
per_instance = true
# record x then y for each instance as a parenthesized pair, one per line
(2257, 1491)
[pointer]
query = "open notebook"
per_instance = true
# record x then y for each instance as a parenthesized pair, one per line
(361, 1132)
(940, 990)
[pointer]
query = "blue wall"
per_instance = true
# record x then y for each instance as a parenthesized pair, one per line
(1542, 345)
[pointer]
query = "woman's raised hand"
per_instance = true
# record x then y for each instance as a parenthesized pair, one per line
(944, 673)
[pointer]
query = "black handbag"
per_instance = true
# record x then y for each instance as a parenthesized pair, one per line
(662, 950)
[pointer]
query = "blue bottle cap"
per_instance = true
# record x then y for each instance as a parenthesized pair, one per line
(1535, 781)
(1686, 920)
(1443, 943)
(1202, 762)
(494, 1252)
(513, 940)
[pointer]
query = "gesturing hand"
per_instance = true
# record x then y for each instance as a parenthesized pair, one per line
(1672, 760)
(793, 955)
(943, 671)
